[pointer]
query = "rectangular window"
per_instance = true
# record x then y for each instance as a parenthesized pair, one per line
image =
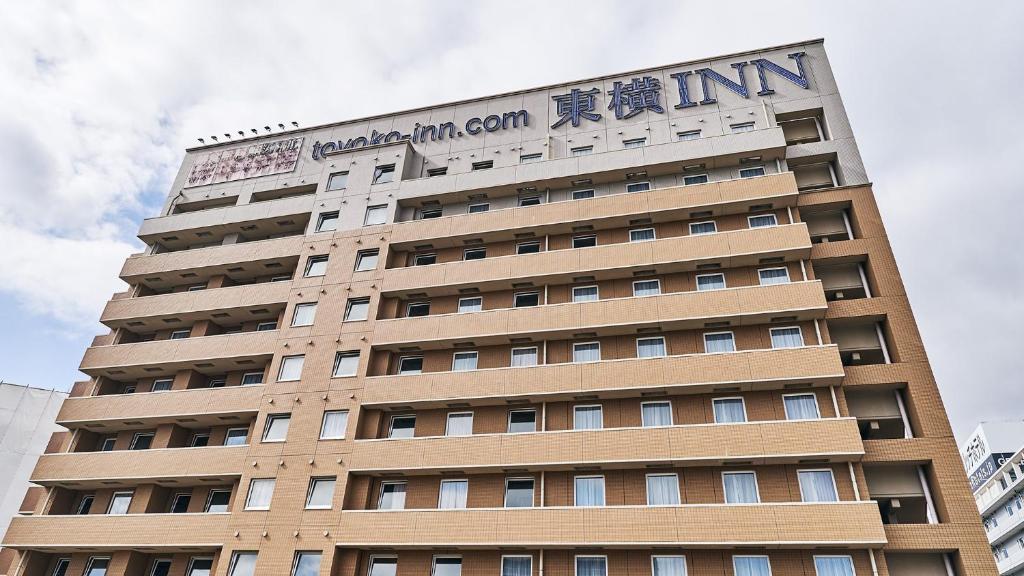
(584, 241)
(526, 356)
(334, 424)
(424, 259)
(108, 444)
(199, 567)
(291, 368)
(464, 361)
(304, 314)
(337, 181)
(474, 253)
(589, 491)
(528, 248)
(516, 566)
(586, 352)
(431, 213)
(526, 299)
(306, 564)
(653, 414)
(829, 566)
(479, 207)
(688, 135)
(85, 506)
(437, 171)
(817, 486)
(638, 187)
(367, 260)
(740, 488)
(321, 493)
(252, 378)
(383, 566)
(582, 194)
(729, 410)
(200, 440)
(519, 493)
(162, 384)
(327, 222)
(119, 503)
(402, 426)
(474, 304)
(520, 421)
(180, 334)
(669, 566)
(180, 502)
(762, 221)
(197, 288)
(529, 201)
(581, 151)
(242, 564)
(276, 428)
(446, 566)
(587, 417)
(742, 127)
(710, 282)
(789, 337)
(97, 567)
(653, 347)
(719, 342)
(410, 365)
(641, 235)
(584, 293)
(392, 496)
(695, 179)
(316, 266)
(281, 278)
(357, 309)
(634, 143)
(528, 158)
(130, 388)
(345, 364)
(751, 566)
(591, 566)
(236, 437)
(697, 228)
(453, 494)
(752, 172)
(376, 215)
(459, 424)
(662, 490)
(141, 441)
(801, 406)
(769, 276)
(61, 568)
(261, 490)
(483, 165)
(416, 309)
(646, 288)
(266, 326)
(384, 174)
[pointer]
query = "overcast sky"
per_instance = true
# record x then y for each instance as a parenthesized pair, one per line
(98, 101)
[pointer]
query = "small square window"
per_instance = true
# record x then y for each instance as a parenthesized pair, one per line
(634, 143)
(529, 201)
(447, 566)
(474, 253)
(638, 187)
(589, 491)
(801, 406)
(437, 172)
(402, 426)
(484, 165)
(582, 194)
(337, 181)
(769, 276)
(200, 440)
(742, 127)
(327, 222)
(662, 490)
(526, 299)
(789, 337)
(584, 241)
(697, 228)
(464, 361)
(762, 221)
(236, 436)
(653, 414)
(261, 491)
(321, 493)
(459, 424)
(291, 368)
(751, 566)
(119, 503)
(334, 424)
(304, 314)
(97, 567)
(695, 179)
(141, 441)
(424, 259)
(646, 288)
(729, 410)
(384, 174)
(306, 564)
(710, 282)
(357, 309)
(479, 207)
(688, 135)
(719, 342)
(266, 326)
(452, 496)
(520, 421)
(641, 235)
(415, 309)
(180, 502)
(817, 486)
(276, 428)
(367, 260)
(582, 151)
(376, 215)
(518, 494)
(410, 365)
(316, 266)
(528, 248)
(345, 364)
(584, 293)
(108, 444)
(252, 378)
(242, 564)
(528, 158)
(752, 172)
(180, 334)
(475, 304)
(526, 356)
(588, 417)
(650, 347)
(586, 352)
(85, 505)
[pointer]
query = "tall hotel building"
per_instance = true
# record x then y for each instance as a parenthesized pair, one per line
(645, 325)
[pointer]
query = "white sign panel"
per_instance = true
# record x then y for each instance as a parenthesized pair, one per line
(264, 159)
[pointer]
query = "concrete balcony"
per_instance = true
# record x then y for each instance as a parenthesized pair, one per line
(209, 354)
(157, 270)
(693, 373)
(674, 311)
(203, 406)
(154, 312)
(683, 253)
(846, 524)
(173, 466)
(665, 204)
(227, 220)
(753, 443)
(117, 532)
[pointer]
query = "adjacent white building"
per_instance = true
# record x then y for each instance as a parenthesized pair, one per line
(994, 459)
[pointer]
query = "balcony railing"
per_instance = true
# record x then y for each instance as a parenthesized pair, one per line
(189, 307)
(151, 409)
(103, 469)
(221, 353)
(118, 532)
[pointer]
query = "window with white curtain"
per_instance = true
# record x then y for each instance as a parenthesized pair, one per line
(516, 565)
(719, 342)
(447, 566)
(591, 566)
(119, 503)
(668, 565)
(833, 566)
(729, 410)
(587, 417)
(586, 352)
(589, 491)
(464, 361)
(383, 566)
(321, 493)
(787, 337)
(471, 304)
(345, 364)
(817, 486)
(662, 490)
(740, 487)
(519, 492)
(584, 293)
(334, 424)
(646, 288)
(769, 276)
(656, 414)
(762, 221)
(710, 282)
(751, 566)
(642, 235)
(801, 406)
(698, 228)
(453, 494)
(650, 347)
(392, 496)
(304, 314)
(291, 368)
(459, 424)
(524, 356)
(261, 490)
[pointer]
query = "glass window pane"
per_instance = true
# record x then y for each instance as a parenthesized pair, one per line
(304, 314)
(460, 424)
(647, 288)
(762, 221)
(668, 565)
(463, 361)
(787, 338)
(375, 215)
(261, 490)
(588, 418)
(524, 357)
(650, 347)
(471, 304)
(367, 260)
(119, 503)
(656, 413)
(582, 194)
(383, 566)
(307, 564)
(327, 222)
(446, 566)
(291, 368)
(334, 424)
(833, 565)
(695, 179)
(711, 282)
(453, 494)
(591, 566)
(243, 564)
(801, 407)
(638, 187)
(321, 493)
(773, 276)
(337, 181)
(346, 364)
(519, 493)
(642, 235)
(236, 437)
(587, 352)
(316, 266)
(589, 491)
(584, 293)
(719, 342)
(740, 488)
(218, 501)
(662, 490)
(392, 496)
(729, 410)
(516, 566)
(751, 566)
(160, 568)
(277, 428)
(357, 309)
(402, 427)
(522, 421)
(97, 567)
(817, 486)
(410, 365)
(697, 228)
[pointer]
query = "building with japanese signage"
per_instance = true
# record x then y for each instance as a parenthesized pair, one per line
(643, 324)
(994, 460)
